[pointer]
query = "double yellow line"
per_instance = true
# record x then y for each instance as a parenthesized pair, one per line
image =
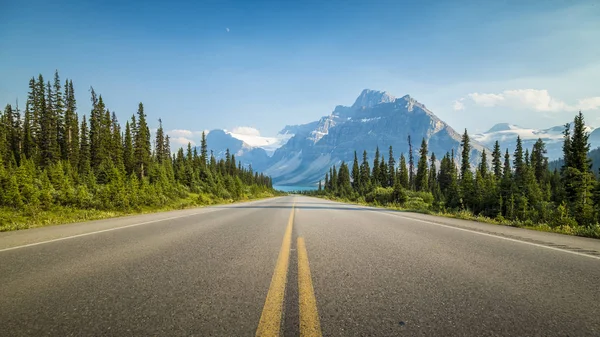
(272, 314)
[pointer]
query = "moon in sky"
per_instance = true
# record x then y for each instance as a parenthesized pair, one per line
(227, 29)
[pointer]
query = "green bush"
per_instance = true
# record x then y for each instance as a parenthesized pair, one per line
(426, 197)
(417, 204)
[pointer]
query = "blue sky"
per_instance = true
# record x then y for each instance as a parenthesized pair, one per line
(222, 64)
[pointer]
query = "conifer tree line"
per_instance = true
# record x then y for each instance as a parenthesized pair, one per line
(516, 186)
(49, 156)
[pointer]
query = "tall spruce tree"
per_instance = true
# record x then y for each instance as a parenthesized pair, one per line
(578, 178)
(84, 149)
(403, 177)
(141, 149)
(391, 167)
(466, 175)
(376, 176)
(355, 173)
(128, 159)
(411, 165)
(422, 178)
(365, 174)
(432, 173)
(383, 172)
(483, 165)
(497, 161)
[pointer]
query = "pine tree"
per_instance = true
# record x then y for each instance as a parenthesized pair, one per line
(95, 126)
(566, 147)
(334, 179)
(466, 175)
(70, 135)
(84, 149)
(376, 176)
(355, 173)
(506, 187)
(432, 174)
(580, 146)
(141, 150)
(365, 174)
(403, 177)
(128, 159)
(29, 144)
(422, 178)
(4, 145)
(391, 168)
(578, 178)
(383, 172)
(483, 166)
(411, 165)
(159, 143)
(203, 149)
(31, 131)
(59, 116)
(344, 187)
(497, 161)
(448, 181)
(539, 161)
(116, 147)
(519, 165)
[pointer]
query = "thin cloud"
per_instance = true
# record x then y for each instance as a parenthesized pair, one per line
(182, 141)
(528, 99)
(246, 130)
(459, 105)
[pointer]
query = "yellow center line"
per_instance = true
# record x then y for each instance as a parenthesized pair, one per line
(309, 316)
(270, 319)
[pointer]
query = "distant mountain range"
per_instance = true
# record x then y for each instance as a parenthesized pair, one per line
(300, 155)
(506, 134)
(376, 119)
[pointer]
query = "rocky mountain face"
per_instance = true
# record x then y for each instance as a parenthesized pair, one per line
(506, 134)
(300, 155)
(376, 119)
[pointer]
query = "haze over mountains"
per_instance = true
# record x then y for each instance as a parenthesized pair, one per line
(300, 155)
(376, 119)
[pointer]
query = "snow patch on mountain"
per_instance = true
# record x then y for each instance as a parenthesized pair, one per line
(253, 139)
(506, 134)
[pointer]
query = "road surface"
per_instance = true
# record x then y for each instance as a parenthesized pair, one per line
(296, 266)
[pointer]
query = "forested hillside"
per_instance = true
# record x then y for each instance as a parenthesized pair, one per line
(517, 189)
(56, 166)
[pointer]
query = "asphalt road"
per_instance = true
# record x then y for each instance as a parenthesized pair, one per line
(296, 266)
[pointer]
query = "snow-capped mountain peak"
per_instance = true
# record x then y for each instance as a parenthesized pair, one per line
(503, 127)
(506, 134)
(253, 139)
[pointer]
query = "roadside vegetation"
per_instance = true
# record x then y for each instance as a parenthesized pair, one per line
(57, 168)
(518, 190)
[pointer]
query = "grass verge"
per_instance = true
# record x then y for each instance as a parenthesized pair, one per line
(589, 232)
(28, 217)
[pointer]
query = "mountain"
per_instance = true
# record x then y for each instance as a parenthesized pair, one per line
(218, 141)
(595, 138)
(252, 138)
(375, 119)
(506, 134)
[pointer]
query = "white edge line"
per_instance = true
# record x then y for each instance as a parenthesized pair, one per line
(214, 208)
(492, 235)
(100, 231)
